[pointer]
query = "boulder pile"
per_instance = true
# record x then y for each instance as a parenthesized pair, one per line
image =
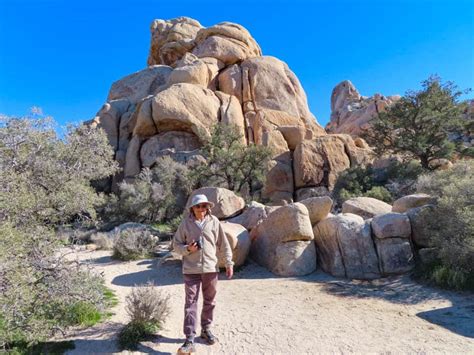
(199, 77)
(292, 240)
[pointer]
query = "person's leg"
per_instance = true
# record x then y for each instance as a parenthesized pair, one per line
(209, 290)
(192, 284)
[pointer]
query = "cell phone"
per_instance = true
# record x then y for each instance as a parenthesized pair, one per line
(198, 244)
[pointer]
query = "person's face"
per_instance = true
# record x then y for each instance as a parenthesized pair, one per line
(200, 209)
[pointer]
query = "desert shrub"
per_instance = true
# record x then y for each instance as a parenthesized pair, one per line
(387, 184)
(45, 180)
(131, 244)
(148, 309)
(40, 287)
(360, 181)
(156, 195)
(451, 224)
(380, 193)
(103, 241)
(133, 333)
(230, 163)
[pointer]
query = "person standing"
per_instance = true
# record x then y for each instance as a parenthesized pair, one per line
(199, 240)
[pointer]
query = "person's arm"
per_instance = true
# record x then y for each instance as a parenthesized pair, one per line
(179, 241)
(225, 249)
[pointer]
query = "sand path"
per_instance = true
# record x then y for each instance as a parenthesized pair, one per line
(259, 313)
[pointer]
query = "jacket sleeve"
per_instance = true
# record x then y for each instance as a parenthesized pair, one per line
(224, 246)
(179, 241)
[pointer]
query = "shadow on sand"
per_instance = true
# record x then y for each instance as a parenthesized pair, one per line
(159, 272)
(458, 318)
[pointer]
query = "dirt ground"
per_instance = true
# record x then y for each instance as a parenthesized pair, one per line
(260, 313)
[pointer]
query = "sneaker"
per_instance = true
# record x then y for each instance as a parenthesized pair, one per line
(187, 348)
(208, 336)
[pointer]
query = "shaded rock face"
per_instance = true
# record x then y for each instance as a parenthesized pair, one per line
(351, 112)
(345, 247)
(239, 240)
(348, 246)
(318, 162)
(421, 234)
(392, 233)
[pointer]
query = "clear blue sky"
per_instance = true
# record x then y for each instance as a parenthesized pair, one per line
(64, 55)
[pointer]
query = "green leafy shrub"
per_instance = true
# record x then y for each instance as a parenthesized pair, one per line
(84, 314)
(148, 309)
(133, 244)
(451, 224)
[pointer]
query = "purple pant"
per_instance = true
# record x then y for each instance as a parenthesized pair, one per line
(192, 283)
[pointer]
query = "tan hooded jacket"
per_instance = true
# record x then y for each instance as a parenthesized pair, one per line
(213, 241)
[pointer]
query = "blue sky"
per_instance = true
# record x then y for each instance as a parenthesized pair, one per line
(64, 55)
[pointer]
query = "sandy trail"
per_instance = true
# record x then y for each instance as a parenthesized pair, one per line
(259, 313)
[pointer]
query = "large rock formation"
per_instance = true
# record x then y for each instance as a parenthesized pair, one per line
(199, 77)
(351, 112)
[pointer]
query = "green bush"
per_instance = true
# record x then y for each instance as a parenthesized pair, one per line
(380, 193)
(386, 184)
(83, 314)
(451, 224)
(134, 332)
(147, 308)
(134, 244)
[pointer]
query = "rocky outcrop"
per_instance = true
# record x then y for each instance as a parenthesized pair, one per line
(348, 246)
(351, 113)
(318, 208)
(318, 162)
(200, 77)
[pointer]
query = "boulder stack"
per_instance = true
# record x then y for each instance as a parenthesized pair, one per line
(198, 77)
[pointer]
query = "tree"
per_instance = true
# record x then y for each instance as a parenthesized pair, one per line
(420, 124)
(230, 162)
